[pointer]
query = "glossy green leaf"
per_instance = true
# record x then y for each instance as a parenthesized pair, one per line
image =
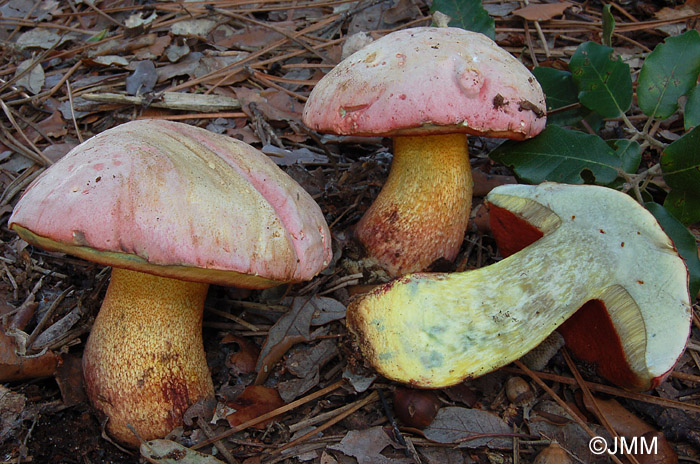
(560, 155)
(629, 153)
(560, 91)
(692, 109)
(668, 73)
(604, 83)
(680, 163)
(684, 205)
(608, 26)
(684, 242)
(467, 14)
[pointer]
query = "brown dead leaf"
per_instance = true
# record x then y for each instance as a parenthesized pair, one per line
(248, 97)
(252, 38)
(292, 328)
(244, 359)
(464, 426)
(630, 426)
(16, 367)
(542, 11)
(155, 50)
(255, 401)
(11, 407)
(366, 446)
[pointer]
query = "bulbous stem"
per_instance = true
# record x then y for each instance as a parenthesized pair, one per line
(144, 362)
(421, 213)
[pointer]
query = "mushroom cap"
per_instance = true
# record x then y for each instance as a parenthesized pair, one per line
(177, 201)
(428, 80)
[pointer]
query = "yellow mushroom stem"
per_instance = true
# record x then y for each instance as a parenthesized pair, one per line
(144, 362)
(421, 213)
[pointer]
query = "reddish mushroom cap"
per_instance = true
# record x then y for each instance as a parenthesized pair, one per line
(428, 80)
(178, 201)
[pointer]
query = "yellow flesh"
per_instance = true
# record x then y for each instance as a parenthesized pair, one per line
(144, 362)
(421, 213)
(434, 330)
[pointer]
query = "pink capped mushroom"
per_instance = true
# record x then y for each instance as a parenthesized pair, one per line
(426, 88)
(172, 208)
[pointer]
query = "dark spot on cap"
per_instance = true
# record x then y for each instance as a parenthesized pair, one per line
(525, 105)
(499, 101)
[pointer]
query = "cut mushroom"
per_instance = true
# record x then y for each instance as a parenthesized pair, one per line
(172, 208)
(597, 244)
(426, 87)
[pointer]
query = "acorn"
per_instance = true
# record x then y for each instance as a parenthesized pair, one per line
(415, 408)
(553, 454)
(518, 391)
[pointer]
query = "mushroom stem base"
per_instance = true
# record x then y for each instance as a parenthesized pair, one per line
(422, 211)
(144, 362)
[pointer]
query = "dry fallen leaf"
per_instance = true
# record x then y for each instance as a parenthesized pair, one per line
(255, 401)
(17, 367)
(292, 328)
(542, 11)
(11, 407)
(461, 425)
(169, 452)
(366, 446)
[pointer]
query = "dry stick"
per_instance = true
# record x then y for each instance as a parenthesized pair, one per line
(41, 158)
(293, 37)
(263, 79)
(616, 391)
(60, 83)
(587, 393)
(534, 376)
(72, 112)
(233, 68)
(179, 117)
(271, 414)
(358, 404)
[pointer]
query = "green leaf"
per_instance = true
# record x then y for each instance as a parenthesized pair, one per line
(680, 163)
(684, 242)
(467, 14)
(604, 83)
(684, 205)
(608, 26)
(668, 73)
(629, 152)
(560, 90)
(560, 155)
(692, 109)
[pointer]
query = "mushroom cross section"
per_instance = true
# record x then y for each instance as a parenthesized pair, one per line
(425, 87)
(597, 244)
(172, 208)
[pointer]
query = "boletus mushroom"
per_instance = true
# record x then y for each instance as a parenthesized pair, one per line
(172, 208)
(426, 87)
(596, 244)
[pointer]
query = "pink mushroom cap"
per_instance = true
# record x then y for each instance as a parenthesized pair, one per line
(428, 80)
(178, 201)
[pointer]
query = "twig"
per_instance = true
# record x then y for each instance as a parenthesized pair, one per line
(358, 404)
(271, 414)
(72, 112)
(562, 403)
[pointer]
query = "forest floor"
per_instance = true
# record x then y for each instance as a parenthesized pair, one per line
(71, 70)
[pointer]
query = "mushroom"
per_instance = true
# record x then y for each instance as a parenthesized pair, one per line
(597, 244)
(172, 208)
(425, 87)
